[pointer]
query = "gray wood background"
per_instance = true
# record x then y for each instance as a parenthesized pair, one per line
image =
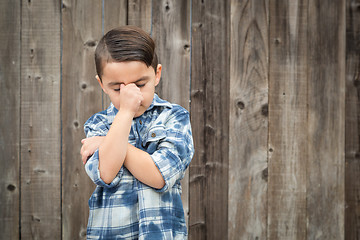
(273, 88)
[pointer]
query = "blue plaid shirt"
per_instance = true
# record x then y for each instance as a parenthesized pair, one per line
(127, 208)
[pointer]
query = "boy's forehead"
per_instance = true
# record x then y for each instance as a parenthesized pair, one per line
(126, 72)
(117, 82)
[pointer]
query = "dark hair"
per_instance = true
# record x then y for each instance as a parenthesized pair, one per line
(127, 43)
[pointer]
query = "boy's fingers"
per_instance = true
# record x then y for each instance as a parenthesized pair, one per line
(84, 156)
(83, 140)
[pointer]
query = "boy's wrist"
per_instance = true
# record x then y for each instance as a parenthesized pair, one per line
(126, 113)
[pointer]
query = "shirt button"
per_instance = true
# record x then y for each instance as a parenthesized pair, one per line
(153, 135)
(140, 122)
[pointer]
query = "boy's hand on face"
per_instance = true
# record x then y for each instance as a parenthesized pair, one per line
(89, 146)
(130, 98)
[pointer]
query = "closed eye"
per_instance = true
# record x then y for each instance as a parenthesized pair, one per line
(140, 85)
(117, 89)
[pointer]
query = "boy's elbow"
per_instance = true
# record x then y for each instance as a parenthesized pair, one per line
(160, 183)
(107, 178)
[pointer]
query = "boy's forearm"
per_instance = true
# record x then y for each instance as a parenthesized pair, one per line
(143, 168)
(113, 149)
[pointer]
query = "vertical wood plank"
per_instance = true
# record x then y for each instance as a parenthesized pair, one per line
(81, 98)
(326, 119)
(352, 121)
(115, 15)
(287, 120)
(139, 14)
(40, 120)
(9, 118)
(248, 120)
(171, 33)
(209, 112)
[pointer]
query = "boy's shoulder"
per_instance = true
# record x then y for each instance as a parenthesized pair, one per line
(167, 108)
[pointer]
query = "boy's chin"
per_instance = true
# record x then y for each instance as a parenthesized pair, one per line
(139, 113)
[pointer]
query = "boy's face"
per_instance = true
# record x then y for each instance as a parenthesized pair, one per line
(136, 72)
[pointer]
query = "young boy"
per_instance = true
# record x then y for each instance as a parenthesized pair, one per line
(137, 150)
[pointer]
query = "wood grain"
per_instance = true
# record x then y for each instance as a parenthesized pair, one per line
(139, 14)
(81, 98)
(248, 133)
(10, 118)
(326, 120)
(40, 120)
(171, 33)
(352, 121)
(287, 120)
(210, 68)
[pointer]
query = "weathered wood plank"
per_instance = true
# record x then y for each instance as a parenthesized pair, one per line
(115, 15)
(209, 112)
(171, 32)
(9, 118)
(40, 120)
(248, 120)
(326, 119)
(139, 14)
(287, 120)
(81, 98)
(352, 121)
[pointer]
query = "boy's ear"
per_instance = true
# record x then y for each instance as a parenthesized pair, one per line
(158, 74)
(100, 82)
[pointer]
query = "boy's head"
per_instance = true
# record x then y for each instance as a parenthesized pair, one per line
(124, 44)
(126, 56)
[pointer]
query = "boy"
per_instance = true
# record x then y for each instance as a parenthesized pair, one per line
(138, 149)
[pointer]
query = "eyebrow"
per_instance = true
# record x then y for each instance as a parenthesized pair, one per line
(139, 80)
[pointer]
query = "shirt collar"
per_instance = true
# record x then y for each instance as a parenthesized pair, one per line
(158, 102)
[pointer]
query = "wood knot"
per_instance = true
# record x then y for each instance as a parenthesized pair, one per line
(187, 47)
(35, 219)
(167, 7)
(11, 187)
(83, 86)
(265, 174)
(265, 110)
(39, 171)
(240, 105)
(82, 233)
(357, 83)
(31, 53)
(355, 6)
(90, 43)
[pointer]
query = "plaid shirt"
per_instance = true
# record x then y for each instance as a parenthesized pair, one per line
(127, 208)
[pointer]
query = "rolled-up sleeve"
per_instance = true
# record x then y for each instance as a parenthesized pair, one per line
(96, 126)
(175, 151)
(92, 170)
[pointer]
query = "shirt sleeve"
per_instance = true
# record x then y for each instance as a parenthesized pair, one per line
(175, 151)
(96, 126)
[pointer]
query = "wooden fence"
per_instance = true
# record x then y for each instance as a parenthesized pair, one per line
(272, 87)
